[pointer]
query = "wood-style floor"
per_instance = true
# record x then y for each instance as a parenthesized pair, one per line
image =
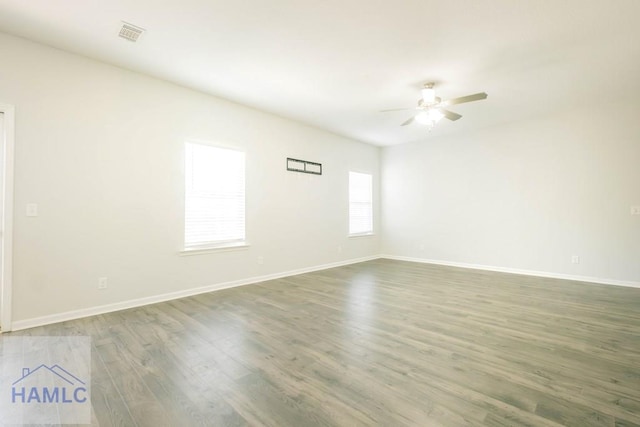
(381, 343)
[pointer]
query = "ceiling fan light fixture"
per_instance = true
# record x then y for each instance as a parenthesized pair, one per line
(435, 115)
(431, 108)
(424, 118)
(429, 95)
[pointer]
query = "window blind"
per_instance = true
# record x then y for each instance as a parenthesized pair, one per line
(214, 196)
(360, 203)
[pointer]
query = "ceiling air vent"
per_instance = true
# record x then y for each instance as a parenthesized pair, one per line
(130, 32)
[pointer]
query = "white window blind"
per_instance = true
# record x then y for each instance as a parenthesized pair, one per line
(360, 203)
(214, 196)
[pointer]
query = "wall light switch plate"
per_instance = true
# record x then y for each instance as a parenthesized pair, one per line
(32, 209)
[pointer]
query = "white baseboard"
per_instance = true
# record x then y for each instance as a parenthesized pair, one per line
(587, 279)
(108, 308)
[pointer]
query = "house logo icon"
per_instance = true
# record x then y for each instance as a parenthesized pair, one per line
(48, 384)
(45, 380)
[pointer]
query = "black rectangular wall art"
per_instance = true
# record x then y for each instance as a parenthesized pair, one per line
(296, 165)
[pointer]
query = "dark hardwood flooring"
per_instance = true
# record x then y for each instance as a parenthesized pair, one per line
(380, 343)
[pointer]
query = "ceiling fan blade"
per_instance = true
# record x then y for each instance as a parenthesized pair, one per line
(450, 114)
(468, 98)
(408, 121)
(396, 109)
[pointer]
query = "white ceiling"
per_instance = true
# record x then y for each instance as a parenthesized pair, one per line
(334, 64)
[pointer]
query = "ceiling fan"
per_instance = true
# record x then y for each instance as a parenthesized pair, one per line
(432, 108)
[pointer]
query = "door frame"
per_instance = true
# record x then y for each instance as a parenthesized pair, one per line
(6, 192)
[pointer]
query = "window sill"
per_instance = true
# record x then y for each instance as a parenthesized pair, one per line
(358, 235)
(237, 246)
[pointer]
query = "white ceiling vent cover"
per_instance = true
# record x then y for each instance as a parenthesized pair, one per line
(130, 32)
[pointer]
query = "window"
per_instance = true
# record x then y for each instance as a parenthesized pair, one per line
(214, 197)
(360, 203)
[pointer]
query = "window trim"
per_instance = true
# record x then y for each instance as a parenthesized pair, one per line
(357, 235)
(218, 245)
(363, 233)
(238, 246)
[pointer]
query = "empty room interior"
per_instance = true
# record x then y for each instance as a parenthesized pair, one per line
(283, 213)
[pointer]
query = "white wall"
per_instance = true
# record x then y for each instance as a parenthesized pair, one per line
(525, 196)
(100, 150)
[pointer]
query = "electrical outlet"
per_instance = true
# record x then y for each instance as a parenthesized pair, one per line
(635, 210)
(575, 259)
(260, 260)
(32, 209)
(102, 283)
